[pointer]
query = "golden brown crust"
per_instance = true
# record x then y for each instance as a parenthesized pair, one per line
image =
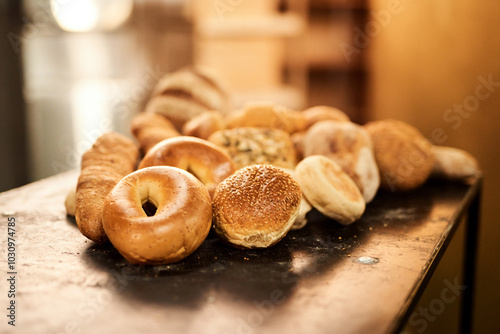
(178, 227)
(248, 146)
(404, 156)
(111, 158)
(209, 163)
(256, 206)
(322, 113)
(267, 115)
(150, 128)
(202, 126)
(351, 147)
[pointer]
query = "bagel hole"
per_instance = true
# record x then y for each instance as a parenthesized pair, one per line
(149, 208)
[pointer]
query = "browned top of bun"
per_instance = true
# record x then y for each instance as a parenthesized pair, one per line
(258, 201)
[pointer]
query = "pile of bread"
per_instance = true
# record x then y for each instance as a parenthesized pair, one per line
(251, 175)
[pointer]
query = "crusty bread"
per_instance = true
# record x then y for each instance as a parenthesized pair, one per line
(248, 146)
(329, 189)
(351, 147)
(304, 209)
(404, 156)
(256, 206)
(111, 158)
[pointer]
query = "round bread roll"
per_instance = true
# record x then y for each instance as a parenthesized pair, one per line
(249, 146)
(157, 215)
(323, 113)
(404, 156)
(209, 163)
(329, 189)
(256, 206)
(185, 94)
(202, 126)
(267, 115)
(453, 164)
(351, 147)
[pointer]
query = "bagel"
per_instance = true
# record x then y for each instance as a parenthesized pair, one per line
(209, 163)
(178, 220)
(329, 189)
(255, 207)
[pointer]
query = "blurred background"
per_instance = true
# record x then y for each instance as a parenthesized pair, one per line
(74, 69)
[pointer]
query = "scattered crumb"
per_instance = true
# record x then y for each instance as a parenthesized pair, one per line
(340, 238)
(370, 228)
(355, 236)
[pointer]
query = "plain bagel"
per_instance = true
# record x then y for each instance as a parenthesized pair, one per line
(157, 215)
(209, 163)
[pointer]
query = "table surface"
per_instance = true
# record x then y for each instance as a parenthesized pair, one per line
(324, 278)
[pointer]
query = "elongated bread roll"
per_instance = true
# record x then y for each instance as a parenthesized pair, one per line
(111, 158)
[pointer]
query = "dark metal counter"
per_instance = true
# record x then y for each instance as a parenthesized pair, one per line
(325, 278)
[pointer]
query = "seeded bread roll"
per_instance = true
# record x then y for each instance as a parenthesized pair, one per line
(149, 129)
(248, 146)
(185, 94)
(255, 207)
(404, 156)
(111, 158)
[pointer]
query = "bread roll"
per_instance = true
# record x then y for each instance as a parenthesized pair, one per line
(185, 94)
(111, 158)
(267, 115)
(203, 125)
(149, 129)
(322, 113)
(404, 156)
(351, 147)
(453, 164)
(329, 189)
(248, 146)
(255, 207)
